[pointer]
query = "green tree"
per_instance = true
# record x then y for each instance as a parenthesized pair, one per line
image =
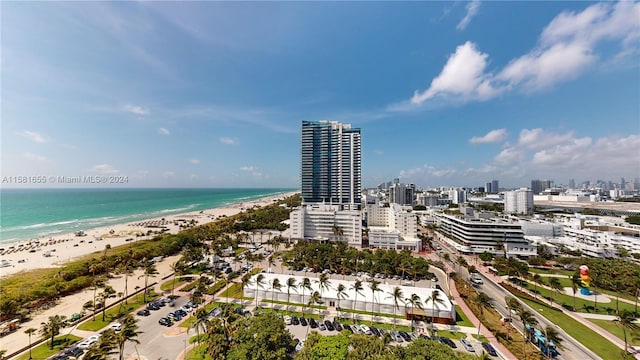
(217, 342)
(527, 318)
(374, 287)
(357, 288)
(104, 348)
(262, 337)
(318, 347)
(128, 333)
(415, 302)
(553, 336)
(107, 292)
(30, 331)
(149, 271)
(486, 256)
(341, 293)
(576, 282)
(556, 285)
(52, 327)
(397, 297)
(275, 285)
(178, 269)
(305, 285)
(537, 280)
(627, 320)
(199, 322)
(259, 283)
(435, 298)
(482, 301)
(291, 284)
(315, 298)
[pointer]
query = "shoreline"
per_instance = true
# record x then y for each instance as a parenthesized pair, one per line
(61, 248)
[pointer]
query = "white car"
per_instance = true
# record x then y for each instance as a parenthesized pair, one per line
(89, 341)
(365, 329)
(287, 320)
(467, 345)
(356, 329)
(115, 326)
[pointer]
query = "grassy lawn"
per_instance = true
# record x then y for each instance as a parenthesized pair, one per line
(234, 292)
(582, 304)
(198, 353)
(567, 273)
(114, 313)
(481, 338)
(166, 286)
(461, 318)
(42, 351)
(615, 329)
(589, 338)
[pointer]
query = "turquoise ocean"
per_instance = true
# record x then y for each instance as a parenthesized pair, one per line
(27, 214)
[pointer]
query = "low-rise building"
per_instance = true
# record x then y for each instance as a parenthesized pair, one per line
(324, 222)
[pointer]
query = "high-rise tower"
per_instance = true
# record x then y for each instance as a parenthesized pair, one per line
(331, 165)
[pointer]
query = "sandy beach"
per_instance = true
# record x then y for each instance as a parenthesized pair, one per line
(56, 250)
(65, 251)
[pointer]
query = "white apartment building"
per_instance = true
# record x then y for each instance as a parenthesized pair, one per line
(323, 222)
(392, 227)
(518, 202)
(473, 235)
(457, 196)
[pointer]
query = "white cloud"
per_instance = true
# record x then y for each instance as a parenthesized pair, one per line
(135, 109)
(539, 139)
(420, 173)
(463, 75)
(194, 161)
(492, 136)
(34, 157)
(251, 169)
(567, 47)
(104, 169)
(509, 156)
(227, 140)
(34, 136)
(163, 131)
(472, 10)
(168, 174)
(378, 152)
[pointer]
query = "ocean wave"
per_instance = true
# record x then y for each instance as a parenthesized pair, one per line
(34, 226)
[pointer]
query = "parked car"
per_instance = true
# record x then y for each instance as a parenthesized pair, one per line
(313, 323)
(164, 321)
(337, 325)
(287, 320)
(448, 341)
(347, 327)
(356, 329)
(143, 312)
(489, 349)
(396, 336)
(365, 329)
(329, 325)
(374, 330)
(303, 321)
(405, 336)
(74, 352)
(321, 326)
(467, 345)
(115, 326)
(295, 321)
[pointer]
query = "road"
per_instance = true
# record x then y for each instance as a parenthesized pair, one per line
(155, 343)
(573, 350)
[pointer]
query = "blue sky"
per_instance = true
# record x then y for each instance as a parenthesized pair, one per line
(212, 94)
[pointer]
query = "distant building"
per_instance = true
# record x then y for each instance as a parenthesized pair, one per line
(392, 227)
(331, 163)
(495, 186)
(487, 187)
(538, 186)
(458, 196)
(475, 235)
(518, 202)
(401, 194)
(324, 223)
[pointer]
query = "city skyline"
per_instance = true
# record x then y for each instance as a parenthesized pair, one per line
(214, 94)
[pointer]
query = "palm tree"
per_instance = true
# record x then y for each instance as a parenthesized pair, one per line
(149, 270)
(396, 295)
(52, 327)
(555, 284)
(105, 347)
(415, 302)
(177, 268)
(275, 285)
(527, 318)
(537, 280)
(126, 268)
(107, 292)
(553, 336)
(200, 322)
(357, 287)
(93, 268)
(323, 283)
(627, 319)
(341, 293)
(316, 298)
(29, 332)
(575, 284)
(305, 285)
(373, 286)
(482, 301)
(435, 299)
(128, 333)
(512, 305)
(291, 283)
(259, 283)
